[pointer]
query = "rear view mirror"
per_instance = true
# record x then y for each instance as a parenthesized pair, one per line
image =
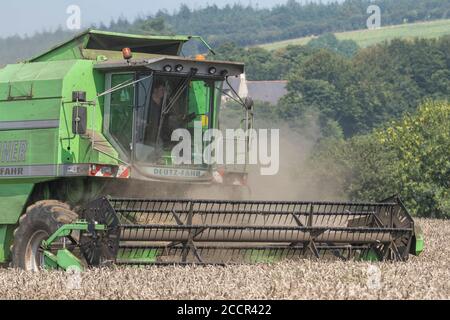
(249, 103)
(79, 120)
(78, 96)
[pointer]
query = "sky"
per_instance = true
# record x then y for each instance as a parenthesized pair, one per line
(25, 17)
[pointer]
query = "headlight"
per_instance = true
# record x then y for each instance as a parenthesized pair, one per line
(168, 68)
(212, 70)
(179, 68)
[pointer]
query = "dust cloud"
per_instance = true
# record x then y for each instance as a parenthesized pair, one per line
(295, 179)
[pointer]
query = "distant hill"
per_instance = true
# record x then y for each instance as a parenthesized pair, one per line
(365, 38)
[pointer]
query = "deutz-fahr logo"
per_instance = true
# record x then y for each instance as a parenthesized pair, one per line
(12, 152)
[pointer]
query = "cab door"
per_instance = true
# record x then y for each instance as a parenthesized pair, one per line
(119, 108)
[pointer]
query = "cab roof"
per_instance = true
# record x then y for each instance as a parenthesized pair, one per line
(83, 45)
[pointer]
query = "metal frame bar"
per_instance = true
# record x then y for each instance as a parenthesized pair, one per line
(66, 230)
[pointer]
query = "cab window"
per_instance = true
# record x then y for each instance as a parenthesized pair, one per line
(120, 124)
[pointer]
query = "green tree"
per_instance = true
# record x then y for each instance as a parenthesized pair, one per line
(421, 143)
(316, 86)
(347, 48)
(408, 157)
(152, 26)
(377, 85)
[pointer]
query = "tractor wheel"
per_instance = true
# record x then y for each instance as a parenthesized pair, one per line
(38, 223)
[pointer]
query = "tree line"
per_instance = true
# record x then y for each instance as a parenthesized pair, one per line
(351, 94)
(246, 25)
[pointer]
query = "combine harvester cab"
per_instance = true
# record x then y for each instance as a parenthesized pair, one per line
(88, 124)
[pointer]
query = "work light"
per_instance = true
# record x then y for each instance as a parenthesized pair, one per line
(212, 70)
(179, 68)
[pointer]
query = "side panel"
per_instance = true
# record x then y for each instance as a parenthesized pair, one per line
(13, 199)
(30, 107)
(68, 51)
(27, 154)
(84, 149)
(30, 110)
(25, 81)
(6, 235)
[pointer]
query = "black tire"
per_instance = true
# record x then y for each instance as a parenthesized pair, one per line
(38, 223)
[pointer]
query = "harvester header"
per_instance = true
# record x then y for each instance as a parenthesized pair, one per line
(224, 232)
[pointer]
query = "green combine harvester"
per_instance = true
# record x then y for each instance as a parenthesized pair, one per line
(85, 152)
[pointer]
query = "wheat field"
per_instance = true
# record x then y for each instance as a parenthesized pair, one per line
(424, 277)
